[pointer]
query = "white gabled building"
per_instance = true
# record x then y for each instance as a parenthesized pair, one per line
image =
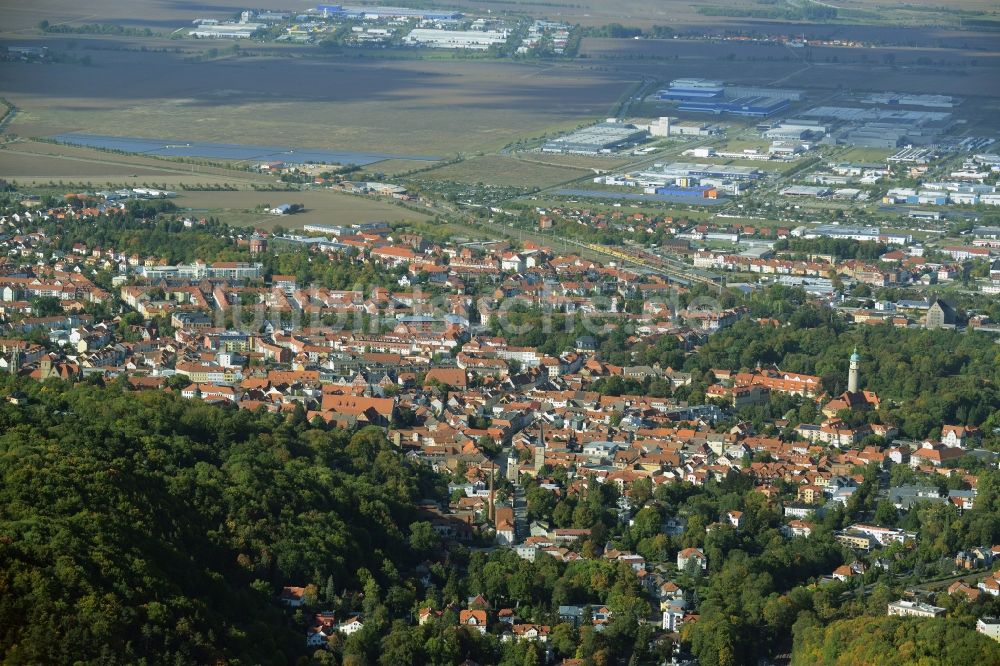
(350, 626)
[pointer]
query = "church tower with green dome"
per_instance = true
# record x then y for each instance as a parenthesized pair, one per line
(852, 377)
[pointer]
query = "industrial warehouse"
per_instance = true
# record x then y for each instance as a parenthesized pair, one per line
(711, 96)
(372, 12)
(474, 40)
(689, 169)
(213, 29)
(604, 137)
(687, 181)
(881, 128)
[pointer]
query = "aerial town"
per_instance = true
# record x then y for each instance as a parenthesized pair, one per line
(709, 374)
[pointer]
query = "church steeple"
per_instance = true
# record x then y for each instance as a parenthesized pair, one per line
(540, 448)
(853, 379)
(15, 359)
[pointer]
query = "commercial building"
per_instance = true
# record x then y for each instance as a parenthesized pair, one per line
(806, 191)
(474, 40)
(688, 169)
(682, 90)
(786, 149)
(324, 229)
(371, 12)
(660, 126)
(227, 31)
(874, 136)
(853, 233)
(696, 192)
(758, 91)
(795, 129)
(904, 608)
(756, 107)
(881, 127)
(234, 270)
(906, 99)
(666, 126)
(601, 138)
(710, 96)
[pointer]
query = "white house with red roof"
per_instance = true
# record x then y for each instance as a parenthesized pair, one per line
(688, 554)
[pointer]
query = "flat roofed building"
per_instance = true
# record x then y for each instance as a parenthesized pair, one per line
(376, 12)
(236, 270)
(904, 608)
(602, 137)
(806, 191)
(227, 31)
(989, 626)
(759, 91)
(754, 106)
(476, 40)
(906, 99)
(692, 170)
(857, 541)
(692, 89)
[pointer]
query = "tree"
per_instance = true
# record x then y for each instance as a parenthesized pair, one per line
(642, 491)
(400, 646)
(563, 638)
(712, 640)
(329, 590)
(646, 523)
(886, 514)
(46, 306)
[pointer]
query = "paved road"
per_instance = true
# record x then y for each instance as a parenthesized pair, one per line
(520, 502)
(967, 576)
(521, 526)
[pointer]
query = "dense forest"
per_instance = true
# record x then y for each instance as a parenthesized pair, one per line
(141, 528)
(892, 641)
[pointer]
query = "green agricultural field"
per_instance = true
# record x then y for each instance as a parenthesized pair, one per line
(865, 155)
(588, 162)
(947, 63)
(504, 170)
(396, 167)
(737, 145)
(33, 162)
(424, 108)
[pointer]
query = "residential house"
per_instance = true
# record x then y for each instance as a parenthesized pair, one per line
(691, 554)
(293, 597)
(477, 619)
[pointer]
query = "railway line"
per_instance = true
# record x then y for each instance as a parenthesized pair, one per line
(674, 270)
